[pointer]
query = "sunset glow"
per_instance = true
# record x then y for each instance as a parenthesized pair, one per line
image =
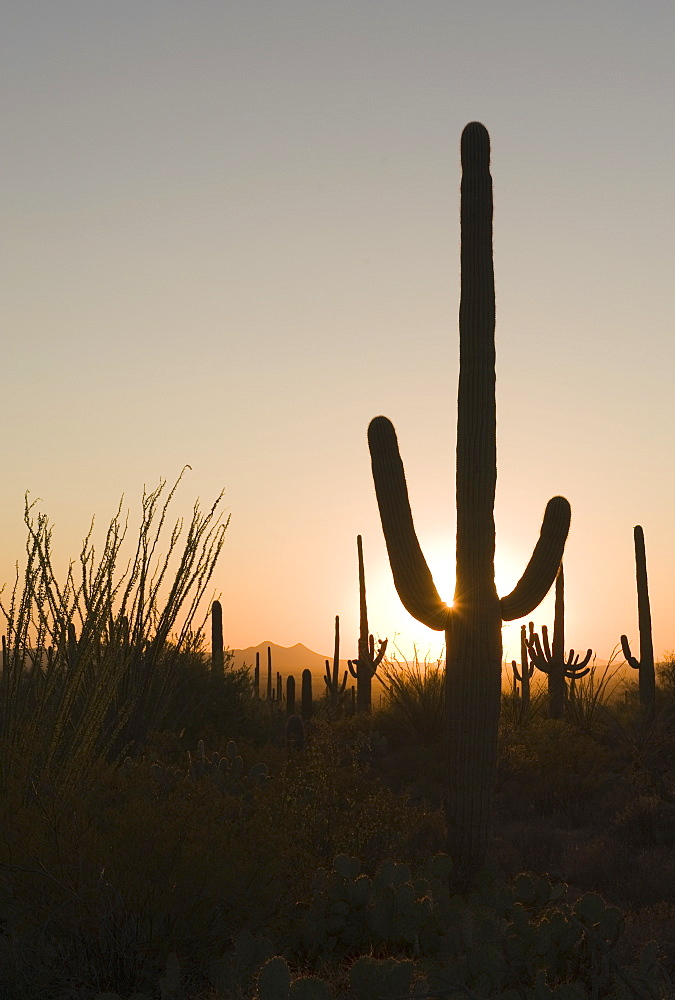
(227, 252)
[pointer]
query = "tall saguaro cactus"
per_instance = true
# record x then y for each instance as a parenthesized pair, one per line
(364, 668)
(645, 665)
(552, 660)
(472, 624)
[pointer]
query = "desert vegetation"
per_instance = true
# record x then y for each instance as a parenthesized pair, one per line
(175, 828)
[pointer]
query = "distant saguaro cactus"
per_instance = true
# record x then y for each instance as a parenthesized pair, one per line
(523, 675)
(645, 665)
(269, 673)
(472, 624)
(256, 676)
(217, 657)
(365, 666)
(332, 678)
(290, 695)
(552, 661)
(307, 706)
(279, 688)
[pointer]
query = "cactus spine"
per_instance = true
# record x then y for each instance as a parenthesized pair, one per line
(551, 661)
(645, 665)
(364, 668)
(217, 658)
(472, 624)
(332, 678)
(307, 707)
(526, 670)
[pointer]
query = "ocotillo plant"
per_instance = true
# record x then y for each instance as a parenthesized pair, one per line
(217, 658)
(332, 678)
(472, 624)
(526, 670)
(290, 695)
(645, 665)
(306, 703)
(363, 668)
(552, 660)
(269, 673)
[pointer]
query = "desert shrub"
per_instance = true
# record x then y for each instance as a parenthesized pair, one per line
(555, 767)
(414, 696)
(89, 662)
(665, 671)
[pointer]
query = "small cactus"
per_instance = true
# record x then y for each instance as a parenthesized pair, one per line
(526, 670)
(363, 668)
(307, 706)
(552, 661)
(332, 678)
(645, 665)
(290, 695)
(217, 657)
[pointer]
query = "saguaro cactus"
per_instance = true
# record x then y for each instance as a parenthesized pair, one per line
(217, 657)
(332, 678)
(552, 661)
(364, 668)
(290, 695)
(645, 665)
(269, 673)
(523, 675)
(256, 676)
(472, 624)
(306, 703)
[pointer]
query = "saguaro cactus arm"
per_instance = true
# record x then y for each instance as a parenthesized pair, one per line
(630, 659)
(541, 570)
(412, 577)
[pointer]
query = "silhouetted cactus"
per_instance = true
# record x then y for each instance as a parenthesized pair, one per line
(290, 695)
(217, 658)
(551, 661)
(645, 665)
(256, 676)
(279, 688)
(523, 675)
(295, 732)
(306, 703)
(473, 624)
(364, 668)
(332, 678)
(269, 673)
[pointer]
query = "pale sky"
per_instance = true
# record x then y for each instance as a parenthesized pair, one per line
(231, 238)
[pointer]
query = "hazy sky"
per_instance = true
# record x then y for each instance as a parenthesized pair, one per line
(231, 238)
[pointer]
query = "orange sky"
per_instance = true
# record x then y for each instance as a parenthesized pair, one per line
(232, 239)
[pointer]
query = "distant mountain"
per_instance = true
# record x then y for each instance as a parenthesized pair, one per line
(285, 659)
